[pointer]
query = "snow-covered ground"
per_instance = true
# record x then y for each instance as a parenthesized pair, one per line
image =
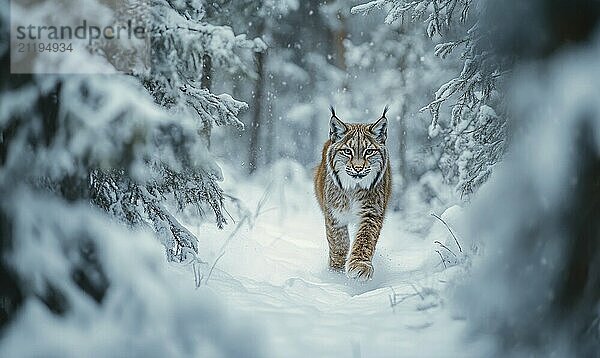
(272, 271)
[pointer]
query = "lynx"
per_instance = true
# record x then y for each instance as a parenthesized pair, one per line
(353, 184)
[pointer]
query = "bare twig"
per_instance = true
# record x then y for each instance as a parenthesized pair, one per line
(213, 266)
(450, 230)
(239, 206)
(233, 233)
(417, 291)
(392, 298)
(198, 276)
(396, 298)
(445, 247)
(247, 217)
(442, 257)
(262, 201)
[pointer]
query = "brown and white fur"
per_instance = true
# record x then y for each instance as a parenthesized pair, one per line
(353, 184)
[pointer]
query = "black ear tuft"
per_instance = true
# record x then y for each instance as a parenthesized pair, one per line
(379, 128)
(385, 110)
(337, 128)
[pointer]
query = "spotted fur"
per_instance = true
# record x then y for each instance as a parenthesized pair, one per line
(353, 184)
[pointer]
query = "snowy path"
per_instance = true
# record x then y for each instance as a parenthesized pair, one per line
(275, 273)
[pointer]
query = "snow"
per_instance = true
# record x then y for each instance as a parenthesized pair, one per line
(433, 130)
(92, 286)
(145, 312)
(363, 8)
(532, 214)
(275, 271)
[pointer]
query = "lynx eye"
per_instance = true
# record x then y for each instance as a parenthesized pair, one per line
(347, 151)
(370, 151)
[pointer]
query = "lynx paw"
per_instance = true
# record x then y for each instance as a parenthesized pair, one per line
(360, 270)
(336, 268)
(337, 264)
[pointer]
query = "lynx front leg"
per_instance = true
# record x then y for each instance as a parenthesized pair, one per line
(339, 243)
(360, 265)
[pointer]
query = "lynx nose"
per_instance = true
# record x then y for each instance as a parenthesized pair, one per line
(358, 165)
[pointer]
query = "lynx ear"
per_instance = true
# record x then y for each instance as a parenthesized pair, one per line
(379, 128)
(337, 128)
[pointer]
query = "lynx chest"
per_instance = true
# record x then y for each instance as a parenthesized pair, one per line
(346, 210)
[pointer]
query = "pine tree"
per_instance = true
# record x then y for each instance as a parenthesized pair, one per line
(129, 144)
(185, 53)
(474, 135)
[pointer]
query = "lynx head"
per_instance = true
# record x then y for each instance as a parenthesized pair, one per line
(357, 154)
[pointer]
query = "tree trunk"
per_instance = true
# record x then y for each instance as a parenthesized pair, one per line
(255, 126)
(402, 165)
(339, 35)
(206, 83)
(315, 141)
(206, 80)
(271, 131)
